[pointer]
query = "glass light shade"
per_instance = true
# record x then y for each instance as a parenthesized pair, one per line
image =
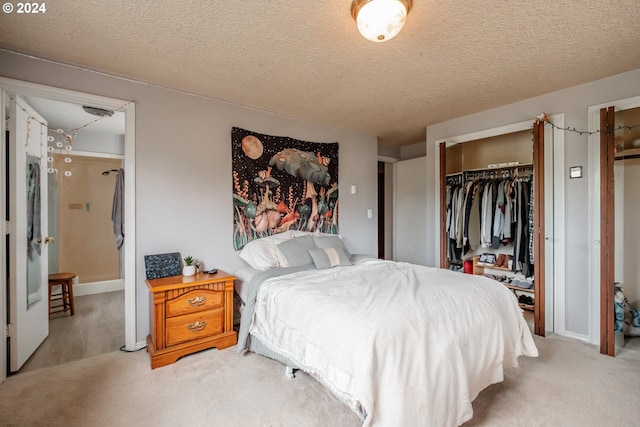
(380, 20)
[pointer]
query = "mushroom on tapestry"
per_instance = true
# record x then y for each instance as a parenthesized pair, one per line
(280, 184)
(304, 165)
(267, 215)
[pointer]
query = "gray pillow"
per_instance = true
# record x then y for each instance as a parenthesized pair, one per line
(296, 251)
(329, 257)
(331, 242)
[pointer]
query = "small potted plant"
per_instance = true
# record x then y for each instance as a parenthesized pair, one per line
(189, 269)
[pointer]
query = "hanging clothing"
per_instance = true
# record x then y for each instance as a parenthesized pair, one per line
(468, 200)
(498, 217)
(459, 218)
(521, 243)
(474, 218)
(486, 221)
(488, 212)
(531, 213)
(117, 209)
(34, 232)
(508, 210)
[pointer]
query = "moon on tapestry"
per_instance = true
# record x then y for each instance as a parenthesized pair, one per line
(252, 147)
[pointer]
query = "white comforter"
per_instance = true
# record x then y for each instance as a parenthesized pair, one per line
(401, 344)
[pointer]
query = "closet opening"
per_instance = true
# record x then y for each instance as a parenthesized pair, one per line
(626, 174)
(620, 233)
(492, 212)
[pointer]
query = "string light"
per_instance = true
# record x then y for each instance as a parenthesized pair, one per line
(68, 135)
(545, 118)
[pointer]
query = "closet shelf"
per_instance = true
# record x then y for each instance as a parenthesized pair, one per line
(518, 288)
(500, 168)
(492, 266)
(526, 306)
(632, 152)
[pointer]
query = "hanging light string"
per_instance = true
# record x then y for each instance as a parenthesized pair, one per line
(545, 118)
(68, 135)
(71, 130)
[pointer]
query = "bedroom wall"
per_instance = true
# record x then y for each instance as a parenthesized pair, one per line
(410, 180)
(183, 166)
(573, 102)
(412, 151)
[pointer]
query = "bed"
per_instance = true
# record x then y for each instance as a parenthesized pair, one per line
(400, 344)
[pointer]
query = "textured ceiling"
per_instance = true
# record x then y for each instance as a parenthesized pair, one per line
(306, 59)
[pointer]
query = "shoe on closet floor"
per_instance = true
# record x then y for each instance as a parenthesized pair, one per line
(505, 261)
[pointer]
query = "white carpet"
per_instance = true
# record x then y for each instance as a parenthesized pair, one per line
(570, 384)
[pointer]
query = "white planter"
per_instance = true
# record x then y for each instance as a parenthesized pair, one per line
(188, 270)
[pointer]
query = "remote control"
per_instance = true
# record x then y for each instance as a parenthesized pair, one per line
(212, 271)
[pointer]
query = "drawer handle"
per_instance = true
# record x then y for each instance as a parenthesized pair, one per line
(196, 301)
(197, 326)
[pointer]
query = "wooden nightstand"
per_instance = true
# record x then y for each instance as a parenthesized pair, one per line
(189, 314)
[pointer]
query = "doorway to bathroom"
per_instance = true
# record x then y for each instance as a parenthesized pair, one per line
(83, 168)
(82, 162)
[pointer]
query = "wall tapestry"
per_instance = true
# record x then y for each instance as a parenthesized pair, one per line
(280, 184)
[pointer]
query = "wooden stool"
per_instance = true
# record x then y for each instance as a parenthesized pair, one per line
(65, 280)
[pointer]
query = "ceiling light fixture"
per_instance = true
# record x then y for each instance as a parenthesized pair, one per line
(380, 20)
(97, 111)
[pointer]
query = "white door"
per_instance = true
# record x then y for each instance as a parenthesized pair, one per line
(29, 291)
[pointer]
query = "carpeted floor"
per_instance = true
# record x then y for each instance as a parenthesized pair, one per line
(570, 384)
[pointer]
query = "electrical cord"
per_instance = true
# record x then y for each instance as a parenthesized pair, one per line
(131, 351)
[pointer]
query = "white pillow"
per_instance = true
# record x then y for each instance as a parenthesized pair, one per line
(262, 254)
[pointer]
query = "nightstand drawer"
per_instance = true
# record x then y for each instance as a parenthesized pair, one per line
(196, 325)
(189, 314)
(196, 300)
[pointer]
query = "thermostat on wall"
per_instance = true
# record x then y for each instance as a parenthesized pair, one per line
(575, 172)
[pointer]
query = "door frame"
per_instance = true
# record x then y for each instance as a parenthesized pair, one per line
(554, 309)
(128, 107)
(599, 310)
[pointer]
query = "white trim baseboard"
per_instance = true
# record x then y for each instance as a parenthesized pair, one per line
(92, 288)
(575, 336)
